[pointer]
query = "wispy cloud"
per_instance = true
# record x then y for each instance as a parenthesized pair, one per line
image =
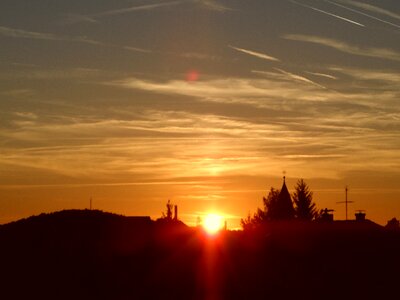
(135, 49)
(54, 74)
(93, 18)
(282, 75)
(24, 34)
(299, 78)
(368, 7)
(328, 13)
(381, 53)
(230, 90)
(364, 74)
(214, 5)
(196, 55)
(254, 53)
(321, 75)
(75, 18)
(135, 8)
(17, 92)
(372, 8)
(209, 148)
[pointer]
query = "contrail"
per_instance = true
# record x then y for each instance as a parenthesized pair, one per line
(256, 54)
(299, 78)
(362, 13)
(321, 75)
(328, 13)
(371, 8)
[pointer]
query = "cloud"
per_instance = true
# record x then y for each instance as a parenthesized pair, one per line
(24, 34)
(372, 8)
(284, 76)
(364, 74)
(299, 78)
(135, 8)
(54, 74)
(254, 53)
(381, 53)
(93, 18)
(135, 49)
(75, 18)
(196, 55)
(209, 148)
(229, 90)
(26, 115)
(17, 92)
(328, 13)
(213, 5)
(368, 7)
(322, 75)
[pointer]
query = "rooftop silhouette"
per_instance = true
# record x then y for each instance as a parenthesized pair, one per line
(91, 254)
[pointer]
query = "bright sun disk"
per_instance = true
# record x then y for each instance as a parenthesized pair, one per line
(213, 223)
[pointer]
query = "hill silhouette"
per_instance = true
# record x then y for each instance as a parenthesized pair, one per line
(95, 255)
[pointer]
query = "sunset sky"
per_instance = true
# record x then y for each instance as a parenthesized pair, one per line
(204, 102)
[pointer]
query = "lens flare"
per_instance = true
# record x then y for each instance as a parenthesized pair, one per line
(192, 76)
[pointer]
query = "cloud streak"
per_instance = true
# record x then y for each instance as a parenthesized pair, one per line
(372, 8)
(375, 75)
(322, 75)
(213, 5)
(25, 34)
(381, 53)
(254, 53)
(92, 18)
(299, 78)
(328, 13)
(135, 8)
(364, 14)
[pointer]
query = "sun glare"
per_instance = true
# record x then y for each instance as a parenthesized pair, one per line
(213, 223)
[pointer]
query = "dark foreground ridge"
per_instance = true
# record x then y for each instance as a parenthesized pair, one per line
(95, 255)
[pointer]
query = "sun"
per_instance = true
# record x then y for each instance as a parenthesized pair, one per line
(213, 223)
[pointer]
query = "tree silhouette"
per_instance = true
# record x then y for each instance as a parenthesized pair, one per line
(302, 197)
(271, 206)
(167, 215)
(251, 222)
(393, 224)
(269, 212)
(278, 206)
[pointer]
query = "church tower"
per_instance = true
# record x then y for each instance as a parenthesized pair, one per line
(284, 204)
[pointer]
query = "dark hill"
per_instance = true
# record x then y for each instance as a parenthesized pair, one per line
(97, 255)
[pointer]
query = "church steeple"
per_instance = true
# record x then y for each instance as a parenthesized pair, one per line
(285, 210)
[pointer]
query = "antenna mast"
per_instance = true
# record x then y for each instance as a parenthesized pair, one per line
(346, 202)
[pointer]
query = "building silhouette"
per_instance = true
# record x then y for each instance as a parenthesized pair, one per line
(284, 205)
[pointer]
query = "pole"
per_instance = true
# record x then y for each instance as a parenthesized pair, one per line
(346, 202)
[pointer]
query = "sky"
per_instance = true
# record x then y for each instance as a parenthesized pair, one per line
(208, 103)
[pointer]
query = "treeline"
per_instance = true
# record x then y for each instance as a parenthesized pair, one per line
(279, 205)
